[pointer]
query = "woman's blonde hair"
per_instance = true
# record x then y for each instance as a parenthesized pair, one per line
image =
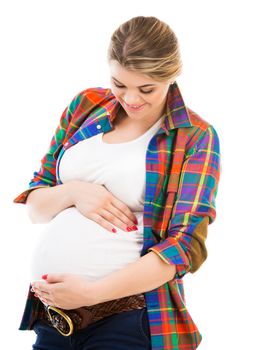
(148, 46)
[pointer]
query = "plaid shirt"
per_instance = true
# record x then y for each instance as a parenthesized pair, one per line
(182, 175)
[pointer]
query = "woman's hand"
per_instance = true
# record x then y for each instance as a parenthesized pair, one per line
(66, 291)
(95, 202)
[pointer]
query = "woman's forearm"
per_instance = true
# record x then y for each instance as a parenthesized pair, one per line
(147, 273)
(45, 203)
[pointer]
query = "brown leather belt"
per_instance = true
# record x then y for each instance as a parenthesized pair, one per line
(68, 321)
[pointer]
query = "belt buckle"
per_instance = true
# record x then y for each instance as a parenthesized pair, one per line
(55, 320)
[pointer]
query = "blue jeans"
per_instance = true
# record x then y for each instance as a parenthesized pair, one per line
(123, 331)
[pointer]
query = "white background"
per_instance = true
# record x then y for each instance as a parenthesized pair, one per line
(51, 50)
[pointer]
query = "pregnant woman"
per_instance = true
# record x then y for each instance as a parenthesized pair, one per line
(126, 191)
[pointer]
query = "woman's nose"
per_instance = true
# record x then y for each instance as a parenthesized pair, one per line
(131, 99)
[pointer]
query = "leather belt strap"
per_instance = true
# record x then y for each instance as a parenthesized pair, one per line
(86, 315)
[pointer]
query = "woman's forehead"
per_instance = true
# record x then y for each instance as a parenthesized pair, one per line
(125, 76)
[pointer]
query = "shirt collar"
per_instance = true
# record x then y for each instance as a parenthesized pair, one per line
(176, 112)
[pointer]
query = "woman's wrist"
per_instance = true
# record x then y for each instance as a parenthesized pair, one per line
(70, 190)
(92, 295)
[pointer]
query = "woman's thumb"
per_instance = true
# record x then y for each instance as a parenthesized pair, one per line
(53, 278)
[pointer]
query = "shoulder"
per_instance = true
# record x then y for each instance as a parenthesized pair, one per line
(201, 130)
(94, 95)
(87, 100)
(196, 120)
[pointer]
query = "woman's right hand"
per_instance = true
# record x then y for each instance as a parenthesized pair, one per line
(95, 202)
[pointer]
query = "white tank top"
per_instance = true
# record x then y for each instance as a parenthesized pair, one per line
(72, 243)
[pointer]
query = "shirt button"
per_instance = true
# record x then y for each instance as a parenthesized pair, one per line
(98, 126)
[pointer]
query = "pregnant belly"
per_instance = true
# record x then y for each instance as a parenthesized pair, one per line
(71, 243)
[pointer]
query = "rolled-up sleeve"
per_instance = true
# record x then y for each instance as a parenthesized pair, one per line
(46, 175)
(194, 208)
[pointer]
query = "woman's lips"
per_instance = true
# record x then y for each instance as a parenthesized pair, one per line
(133, 107)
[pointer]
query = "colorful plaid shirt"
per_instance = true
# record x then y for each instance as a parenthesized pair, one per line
(182, 175)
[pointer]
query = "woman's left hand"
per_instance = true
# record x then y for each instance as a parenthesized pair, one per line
(66, 291)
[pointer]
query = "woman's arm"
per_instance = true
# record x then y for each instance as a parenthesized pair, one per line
(45, 177)
(71, 291)
(45, 203)
(145, 274)
(194, 208)
(92, 200)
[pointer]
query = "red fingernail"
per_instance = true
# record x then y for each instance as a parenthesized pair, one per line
(44, 277)
(113, 230)
(135, 221)
(129, 229)
(134, 227)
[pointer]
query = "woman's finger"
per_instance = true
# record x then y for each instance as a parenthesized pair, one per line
(101, 221)
(123, 216)
(43, 294)
(117, 218)
(124, 210)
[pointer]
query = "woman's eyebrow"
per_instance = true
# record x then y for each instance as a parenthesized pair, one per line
(138, 86)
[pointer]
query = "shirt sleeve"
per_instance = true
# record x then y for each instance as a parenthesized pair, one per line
(46, 175)
(194, 208)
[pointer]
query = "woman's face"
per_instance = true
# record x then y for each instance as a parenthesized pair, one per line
(141, 97)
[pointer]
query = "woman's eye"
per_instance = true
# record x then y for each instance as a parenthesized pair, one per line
(144, 92)
(147, 92)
